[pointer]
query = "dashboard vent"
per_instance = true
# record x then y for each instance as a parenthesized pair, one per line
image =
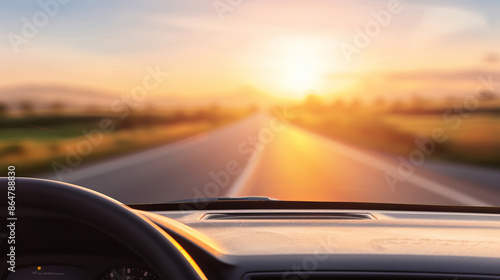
(364, 276)
(288, 216)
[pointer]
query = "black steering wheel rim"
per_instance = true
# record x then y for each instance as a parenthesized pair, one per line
(155, 247)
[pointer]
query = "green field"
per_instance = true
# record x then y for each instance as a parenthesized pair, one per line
(33, 145)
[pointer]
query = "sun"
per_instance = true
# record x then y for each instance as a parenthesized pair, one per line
(293, 66)
(301, 66)
(300, 75)
(302, 80)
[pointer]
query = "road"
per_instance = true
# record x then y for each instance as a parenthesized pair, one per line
(264, 156)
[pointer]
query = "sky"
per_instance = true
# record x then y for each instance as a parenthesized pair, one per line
(287, 48)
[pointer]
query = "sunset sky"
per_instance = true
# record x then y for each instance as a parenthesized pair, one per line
(283, 47)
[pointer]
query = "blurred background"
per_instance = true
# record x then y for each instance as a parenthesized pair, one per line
(414, 84)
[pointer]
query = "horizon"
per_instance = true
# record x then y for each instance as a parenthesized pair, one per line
(213, 52)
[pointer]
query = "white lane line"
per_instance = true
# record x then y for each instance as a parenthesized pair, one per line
(246, 174)
(243, 179)
(384, 166)
(143, 156)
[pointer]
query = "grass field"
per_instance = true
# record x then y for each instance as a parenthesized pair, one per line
(34, 149)
(477, 129)
(471, 137)
(474, 140)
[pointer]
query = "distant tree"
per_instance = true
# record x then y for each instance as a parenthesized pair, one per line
(208, 113)
(149, 115)
(91, 108)
(27, 108)
(56, 108)
(4, 110)
(150, 108)
(130, 121)
(179, 115)
(338, 104)
(396, 106)
(313, 103)
(379, 101)
(355, 103)
(487, 95)
(450, 99)
(417, 101)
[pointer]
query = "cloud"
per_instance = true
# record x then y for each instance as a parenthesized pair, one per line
(449, 20)
(492, 58)
(444, 23)
(417, 75)
(431, 75)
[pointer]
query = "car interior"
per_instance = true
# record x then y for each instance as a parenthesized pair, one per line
(249, 140)
(75, 233)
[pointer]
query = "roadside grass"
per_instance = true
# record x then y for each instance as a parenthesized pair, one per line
(33, 151)
(363, 130)
(50, 133)
(472, 140)
(478, 129)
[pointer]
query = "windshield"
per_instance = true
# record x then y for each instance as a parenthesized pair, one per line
(156, 101)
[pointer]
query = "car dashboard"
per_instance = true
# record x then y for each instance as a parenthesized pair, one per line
(54, 246)
(253, 244)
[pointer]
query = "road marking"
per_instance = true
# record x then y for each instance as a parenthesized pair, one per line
(243, 179)
(144, 156)
(245, 176)
(383, 166)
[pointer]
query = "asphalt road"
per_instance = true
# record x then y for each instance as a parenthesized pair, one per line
(264, 156)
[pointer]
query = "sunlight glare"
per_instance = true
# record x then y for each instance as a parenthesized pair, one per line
(302, 63)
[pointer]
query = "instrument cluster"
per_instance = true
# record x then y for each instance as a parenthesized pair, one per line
(69, 272)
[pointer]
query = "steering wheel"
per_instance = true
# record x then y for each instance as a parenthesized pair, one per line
(155, 247)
